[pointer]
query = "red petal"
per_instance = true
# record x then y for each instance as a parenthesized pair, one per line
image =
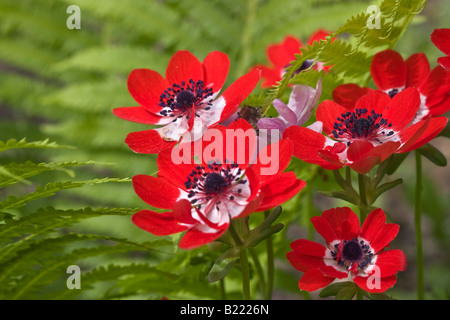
(235, 143)
(282, 54)
(157, 192)
(364, 156)
(313, 280)
(147, 141)
(388, 70)
(281, 188)
(327, 112)
(194, 238)
(238, 91)
(324, 228)
(441, 107)
(347, 94)
(444, 62)
(343, 221)
(441, 39)
(146, 86)
(417, 70)
(183, 66)
(421, 133)
(391, 262)
(306, 255)
(333, 272)
(273, 159)
(182, 211)
(436, 86)
(375, 100)
(173, 166)
(318, 35)
(159, 224)
(307, 143)
(372, 224)
(375, 285)
(271, 76)
(216, 66)
(385, 235)
(138, 114)
(403, 108)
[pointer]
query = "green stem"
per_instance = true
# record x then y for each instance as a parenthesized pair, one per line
(363, 206)
(259, 271)
(245, 268)
(270, 265)
(418, 226)
(223, 292)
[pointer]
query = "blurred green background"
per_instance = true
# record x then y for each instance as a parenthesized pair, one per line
(62, 84)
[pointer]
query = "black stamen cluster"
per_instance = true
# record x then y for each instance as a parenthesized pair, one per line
(360, 124)
(353, 252)
(207, 182)
(178, 99)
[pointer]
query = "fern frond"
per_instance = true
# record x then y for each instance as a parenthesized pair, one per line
(46, 220)
(51, 189)
(44, 144)
(54, 267)
(18, 172)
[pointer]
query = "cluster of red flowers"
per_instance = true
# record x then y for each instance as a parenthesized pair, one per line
(203, 185)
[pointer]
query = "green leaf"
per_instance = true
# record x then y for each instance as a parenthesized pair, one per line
(265, 229)
(385, 187)
(434, 155)
(223, 265)
(395, 161)
(334, 289)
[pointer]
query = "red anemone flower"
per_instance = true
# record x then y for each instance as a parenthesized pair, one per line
(441, 39)
(185, 101)
(282, 54)
(366, 135)
(220, 185)
(392, 74)
(351, 253)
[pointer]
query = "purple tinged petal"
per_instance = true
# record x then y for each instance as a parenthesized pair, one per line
(316, 126)
(285, 113)
(271, 123)
(303, 99)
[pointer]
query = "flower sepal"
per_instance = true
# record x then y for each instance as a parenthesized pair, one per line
(265, 229)
(348, 290)
(223, 265)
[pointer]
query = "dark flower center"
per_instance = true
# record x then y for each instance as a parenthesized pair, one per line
(305, 65)
(362, 127)
(179, 99)
(393, 92)
(185, 99)
(352, 254)
(205, 183)
(352, 251)
(214, 183)
(361, 124)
